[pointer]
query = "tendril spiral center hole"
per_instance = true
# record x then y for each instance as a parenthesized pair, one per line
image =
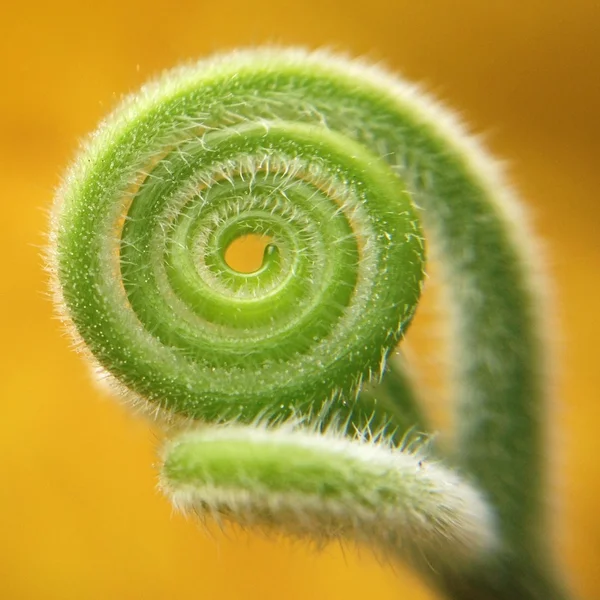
(247, 253)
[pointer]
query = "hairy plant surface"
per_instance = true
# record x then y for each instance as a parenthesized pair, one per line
(259, 378)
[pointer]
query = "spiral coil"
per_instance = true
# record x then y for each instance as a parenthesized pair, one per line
(337, 163)
(314, 322)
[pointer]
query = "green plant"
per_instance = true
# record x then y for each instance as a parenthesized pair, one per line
(337, 163)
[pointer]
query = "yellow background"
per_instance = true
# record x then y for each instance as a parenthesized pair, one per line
(79, 514)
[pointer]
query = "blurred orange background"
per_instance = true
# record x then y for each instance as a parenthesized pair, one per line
(79, 514)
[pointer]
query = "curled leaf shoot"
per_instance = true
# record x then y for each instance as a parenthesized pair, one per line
(342, 166)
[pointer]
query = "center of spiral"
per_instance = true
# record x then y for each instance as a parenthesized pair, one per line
(247, 253)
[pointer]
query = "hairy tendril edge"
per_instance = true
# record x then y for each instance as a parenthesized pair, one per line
(337, 162)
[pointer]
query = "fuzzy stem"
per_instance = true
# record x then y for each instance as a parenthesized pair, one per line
(325, 487)
(337, 162)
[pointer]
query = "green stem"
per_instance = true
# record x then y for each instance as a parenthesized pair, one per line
(337, 162)
(389, 408)
(326, 487)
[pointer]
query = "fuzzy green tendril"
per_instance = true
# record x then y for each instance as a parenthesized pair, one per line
(337, 163)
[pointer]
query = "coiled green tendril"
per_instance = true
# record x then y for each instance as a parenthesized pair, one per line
(336, 162)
